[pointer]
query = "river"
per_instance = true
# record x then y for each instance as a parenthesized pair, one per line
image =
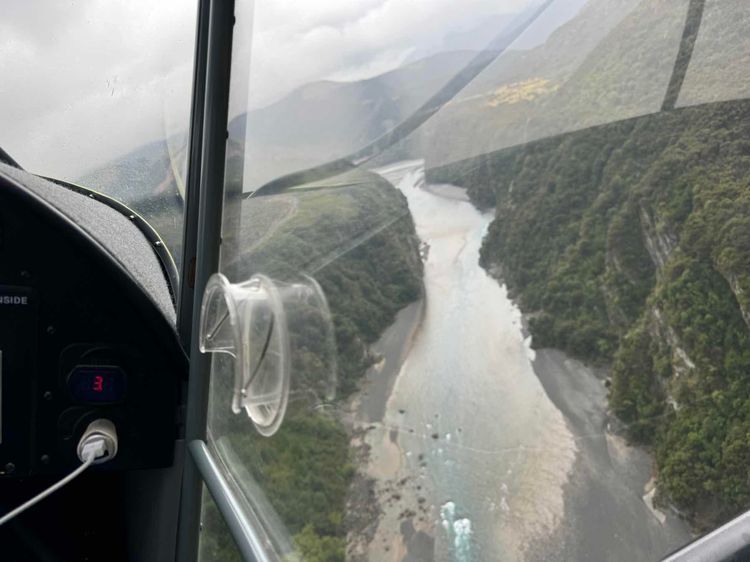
(482, 448)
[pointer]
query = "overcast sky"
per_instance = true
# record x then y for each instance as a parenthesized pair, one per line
(86, 81)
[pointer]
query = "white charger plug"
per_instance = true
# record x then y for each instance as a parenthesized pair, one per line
(97, 445)
(98, 442)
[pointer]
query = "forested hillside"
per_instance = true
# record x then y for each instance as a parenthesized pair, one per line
(355, 235)
(628, 244)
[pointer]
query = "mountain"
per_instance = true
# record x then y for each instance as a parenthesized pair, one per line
(628, 244)
(721, 58)
(624, 232)
(326, 120)
(596, 68)
(145, 180)
(612, 61)
(316, 123)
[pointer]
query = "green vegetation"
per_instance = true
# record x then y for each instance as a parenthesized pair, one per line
(215, 541)
(629, 244)
(355, 236)
(298, 481)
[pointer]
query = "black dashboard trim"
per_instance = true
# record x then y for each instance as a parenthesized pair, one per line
(157, 244)
(101, 254)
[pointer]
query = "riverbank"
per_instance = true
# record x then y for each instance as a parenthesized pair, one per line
(610, 500)
(377, 486)
(471, 445)
(392, 348)
(470, 458)
(605, 500)
(607, 513)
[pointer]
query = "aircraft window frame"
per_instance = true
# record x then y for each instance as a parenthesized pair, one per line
(203, 220)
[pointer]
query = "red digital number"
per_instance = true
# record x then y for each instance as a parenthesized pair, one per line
(98, 383)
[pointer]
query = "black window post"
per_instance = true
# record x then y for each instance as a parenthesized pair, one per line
(203, 209)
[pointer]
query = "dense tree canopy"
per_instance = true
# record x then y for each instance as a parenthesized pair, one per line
(630, 245)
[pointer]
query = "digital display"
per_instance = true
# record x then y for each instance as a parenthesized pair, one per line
(97, 384)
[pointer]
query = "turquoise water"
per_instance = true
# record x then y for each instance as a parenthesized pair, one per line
(475, 428)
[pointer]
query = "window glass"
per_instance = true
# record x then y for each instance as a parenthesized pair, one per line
(612, 61)
(98, 94)
(216, 541)
(485, 289)
(720, 56)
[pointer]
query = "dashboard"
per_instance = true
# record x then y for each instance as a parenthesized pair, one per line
(86, 332)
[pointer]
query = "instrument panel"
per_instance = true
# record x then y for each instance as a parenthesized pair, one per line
(81, 336)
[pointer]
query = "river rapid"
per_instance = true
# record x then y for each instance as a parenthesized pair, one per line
(472, 458)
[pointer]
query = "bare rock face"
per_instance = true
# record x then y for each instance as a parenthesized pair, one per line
(741, 293)
(659, 242)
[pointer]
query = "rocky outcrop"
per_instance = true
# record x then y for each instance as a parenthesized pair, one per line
(741, 294)
(662, 332)
(659, 242)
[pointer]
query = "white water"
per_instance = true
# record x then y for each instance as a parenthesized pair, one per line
(474, 426)
(458, 531)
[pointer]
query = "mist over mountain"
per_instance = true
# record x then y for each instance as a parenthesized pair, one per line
(600, 62)
(326, 120)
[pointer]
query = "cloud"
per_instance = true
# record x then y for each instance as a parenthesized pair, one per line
(332, 40)
(85, 82)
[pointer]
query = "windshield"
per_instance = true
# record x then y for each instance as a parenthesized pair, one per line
(98, 94)
(509, 245)
(484, 289)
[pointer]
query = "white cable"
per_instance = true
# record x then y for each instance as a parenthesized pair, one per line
(45, 493)
(92, 447)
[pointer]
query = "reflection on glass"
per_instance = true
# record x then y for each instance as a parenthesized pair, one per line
(538, 296)
(719, 56)
(271, 329)
(99, 94)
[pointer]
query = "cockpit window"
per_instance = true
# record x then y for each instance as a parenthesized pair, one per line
(719, 56)
(484, 288)
(489, 261)
(98, 94)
